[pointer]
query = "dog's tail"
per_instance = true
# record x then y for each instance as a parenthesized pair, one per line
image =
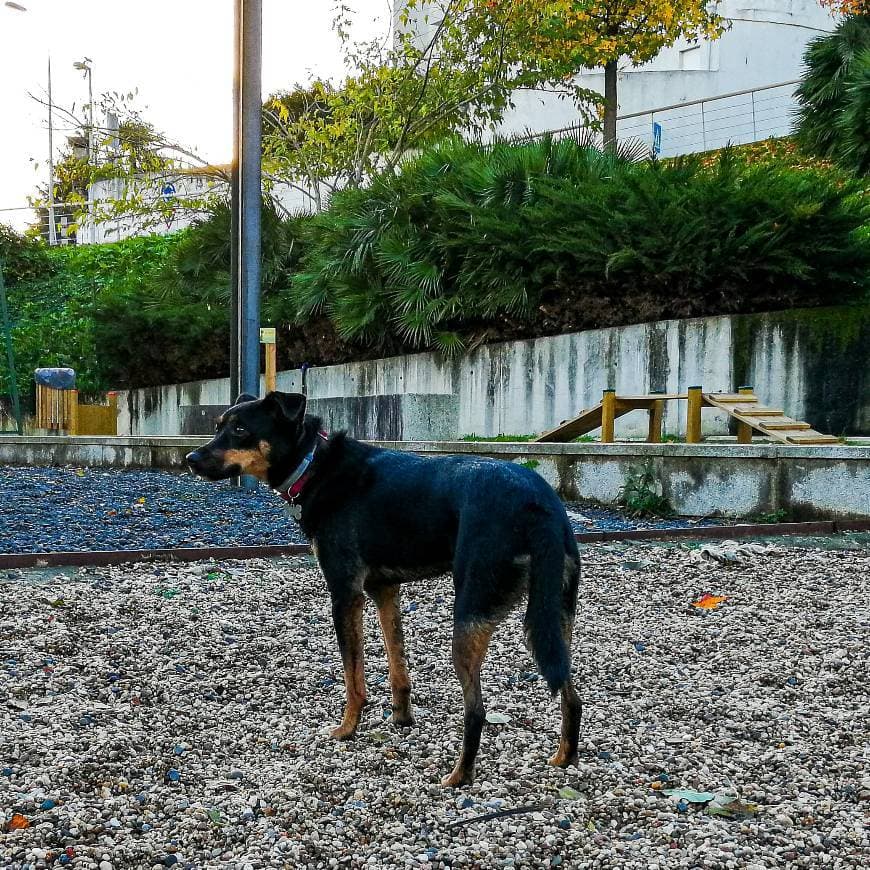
(553, 579)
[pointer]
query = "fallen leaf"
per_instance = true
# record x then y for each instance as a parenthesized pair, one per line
(215, 816)
(17, 823)
(497, 718)
(709, 602)
(731, 808)
(569, 794)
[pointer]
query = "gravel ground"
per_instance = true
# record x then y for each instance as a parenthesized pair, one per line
(48, 509)
(153, 716)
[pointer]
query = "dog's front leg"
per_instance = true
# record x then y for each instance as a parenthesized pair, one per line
(390, 616)
(347, 616)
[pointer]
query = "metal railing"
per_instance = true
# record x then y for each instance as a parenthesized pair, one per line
(706, 124)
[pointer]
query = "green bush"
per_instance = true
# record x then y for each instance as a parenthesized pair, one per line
(184, 306)
(564, 237)
(56, 303)
(22, 259)
(640, 493)
(832, 117)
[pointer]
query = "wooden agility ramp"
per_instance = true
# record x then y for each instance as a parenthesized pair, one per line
(751, 415)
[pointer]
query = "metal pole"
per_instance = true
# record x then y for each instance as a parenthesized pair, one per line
(92, 163)
(10, 354)
(249, 196)
(234, 210)
(703, 127)
(754, 133)
(52, 225)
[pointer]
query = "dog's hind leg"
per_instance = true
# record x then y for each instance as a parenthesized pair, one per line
(470, 642)
(347, 615)
(572, 711)
(390, 617)
(572, 708)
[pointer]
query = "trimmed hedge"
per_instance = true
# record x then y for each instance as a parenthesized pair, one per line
(465, 244)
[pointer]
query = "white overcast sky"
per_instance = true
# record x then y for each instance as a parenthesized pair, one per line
(178, 53)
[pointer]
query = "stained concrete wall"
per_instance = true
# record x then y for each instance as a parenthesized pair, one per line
(697, 480)
(813, 363)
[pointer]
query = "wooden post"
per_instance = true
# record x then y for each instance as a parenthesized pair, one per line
(608, 415)
(693, 415)
(267, 339)
(72, 411)
(271, 367)
(744, 430)
(654, 433)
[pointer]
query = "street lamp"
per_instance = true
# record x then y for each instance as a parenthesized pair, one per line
(85, 67)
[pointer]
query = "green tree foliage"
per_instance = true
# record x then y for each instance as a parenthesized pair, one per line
(853, 125)
(598, 33)
(22, 258)
(832, 96)
(138, 156)
(54, 308)
(448, 65)
(572, 237)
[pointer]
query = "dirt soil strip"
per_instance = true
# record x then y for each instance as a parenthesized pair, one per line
(99, 558)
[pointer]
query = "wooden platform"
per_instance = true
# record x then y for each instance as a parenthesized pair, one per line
(744, 406)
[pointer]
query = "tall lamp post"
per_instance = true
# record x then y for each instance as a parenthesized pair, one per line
(86, 66)
(246, 198)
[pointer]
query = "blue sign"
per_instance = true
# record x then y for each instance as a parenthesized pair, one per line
(657, 138)
(168, 190)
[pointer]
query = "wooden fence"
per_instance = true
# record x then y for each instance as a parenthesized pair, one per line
(60, 411)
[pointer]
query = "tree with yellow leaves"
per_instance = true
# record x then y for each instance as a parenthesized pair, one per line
(591, 33)
(848, 7)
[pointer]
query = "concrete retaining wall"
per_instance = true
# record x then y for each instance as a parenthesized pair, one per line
(814, 363)
(697, 480)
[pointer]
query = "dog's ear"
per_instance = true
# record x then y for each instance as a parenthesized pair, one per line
(289, 405)
(245, 397)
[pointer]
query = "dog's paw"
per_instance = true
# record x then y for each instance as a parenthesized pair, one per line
(563, 759)
(403, 720)
(343, 732)
(457, 778)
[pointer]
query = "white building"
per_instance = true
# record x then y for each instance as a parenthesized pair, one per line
(182, 193)
(764, 46)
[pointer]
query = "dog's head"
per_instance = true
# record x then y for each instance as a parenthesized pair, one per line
(256, 436)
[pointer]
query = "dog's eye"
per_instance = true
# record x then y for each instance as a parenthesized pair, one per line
(239, 430)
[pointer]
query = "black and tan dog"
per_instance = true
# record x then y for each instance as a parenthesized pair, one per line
(377, 518)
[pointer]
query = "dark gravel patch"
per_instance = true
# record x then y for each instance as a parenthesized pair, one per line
(51, 509)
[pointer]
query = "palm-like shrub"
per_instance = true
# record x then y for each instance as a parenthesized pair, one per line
(853, 126)
(468, 235)
(826, 94)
